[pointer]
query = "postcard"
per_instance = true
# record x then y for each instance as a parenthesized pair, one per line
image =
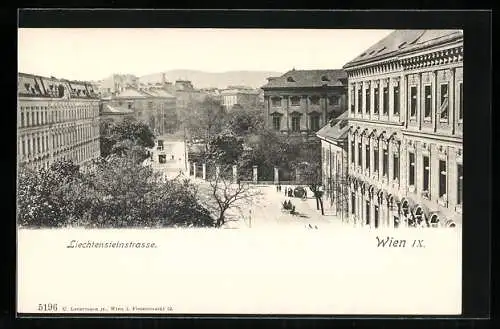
(188, 171)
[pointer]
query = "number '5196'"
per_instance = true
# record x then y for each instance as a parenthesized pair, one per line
(47, 307)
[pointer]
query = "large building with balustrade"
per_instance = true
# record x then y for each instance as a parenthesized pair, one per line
(300, 102)
(56, 119)
(405, 118)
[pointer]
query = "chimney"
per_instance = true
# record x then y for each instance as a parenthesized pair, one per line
(163, 79)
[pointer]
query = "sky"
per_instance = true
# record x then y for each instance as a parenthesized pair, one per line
(94, 54)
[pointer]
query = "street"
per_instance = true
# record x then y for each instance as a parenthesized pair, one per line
(264, 210)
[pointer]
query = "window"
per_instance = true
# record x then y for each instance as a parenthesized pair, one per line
(353, 153)
(333, 100)
(442, 178)
(295, 101)
(367, 156)
(368, 103)
(395, 166)
(443, 109)
(314, 122)
(376, 101)
(413, 101)
(22, 119)
(353, 203)
(360, 155)
(290, 79)
(411, 169)
(375, 159)
(315, 100)
(396, 100)
(353, 100)
(427, 172)
(276, 123)
(296, 123)
(360, 100)
(367, 212)
(386, 102)
(23, 147)
(385, 163)
(460, 187)
(162, 158)
(460, 101)
(276, 101)
(37, 118)
(129, 106)
(428, 102)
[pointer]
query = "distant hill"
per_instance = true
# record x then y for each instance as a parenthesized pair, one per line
(200, 79)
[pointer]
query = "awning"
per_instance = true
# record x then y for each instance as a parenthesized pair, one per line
(420, 209)
(436, 218)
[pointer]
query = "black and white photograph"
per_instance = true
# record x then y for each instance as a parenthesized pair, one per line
(239, 171)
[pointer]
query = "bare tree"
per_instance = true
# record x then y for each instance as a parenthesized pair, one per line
(226, 194)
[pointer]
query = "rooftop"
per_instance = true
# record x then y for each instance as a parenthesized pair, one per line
(30, 85)
(402, 41)
(336, 129)
(308, 78)
(108, 109)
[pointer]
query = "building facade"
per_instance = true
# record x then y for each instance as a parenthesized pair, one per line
(56, 119)
(405, 148)
(242, 97)
(300, 102)
(334, 163)
(154, 106)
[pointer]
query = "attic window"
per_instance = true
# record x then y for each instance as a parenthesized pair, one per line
(363, 54)
(342, 124)
(290, 79)
(402, 45)
(324, 78)
(382, 49)
(371, 52)
(27, 86)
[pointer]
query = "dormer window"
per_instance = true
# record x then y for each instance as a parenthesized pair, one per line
(290, 79)
(382, 49)
(27, 86)
(402, 45)
(325, 78)
(371, 52)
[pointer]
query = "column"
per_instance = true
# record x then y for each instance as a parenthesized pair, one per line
(285, 99)
(194, 169)
(390, 163)
(306, 99)
(380, 159)
(254, 174)
(235, 174)
(276, 175)
(451, 102)
(452, 176)
(372, 158)
(204, 171)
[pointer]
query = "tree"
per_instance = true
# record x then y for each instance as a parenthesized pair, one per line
(117, 136)
(225, 148)
(204, 118)
(40, 196)
(114, 192)
(245, 121)
(226, 195)
(310, 174)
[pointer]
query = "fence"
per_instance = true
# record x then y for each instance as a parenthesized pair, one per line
(265, 175)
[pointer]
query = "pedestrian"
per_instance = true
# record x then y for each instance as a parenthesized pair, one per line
(286, 191)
